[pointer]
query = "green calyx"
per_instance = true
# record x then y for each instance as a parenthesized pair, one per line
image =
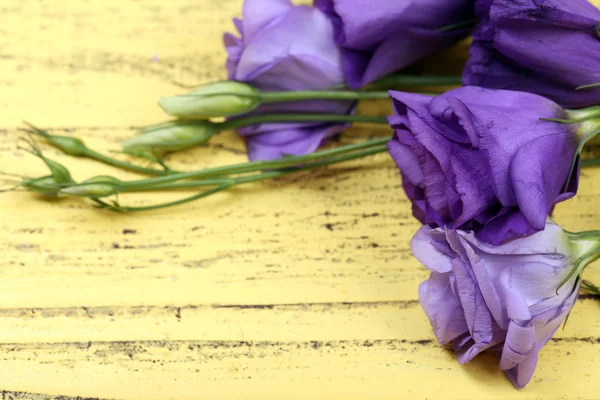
(586, 250)
(586, 127)
(45, 185)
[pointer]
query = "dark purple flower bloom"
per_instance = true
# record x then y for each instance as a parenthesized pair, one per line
(481, 297)
(548, 47)
(383, 36)
(482, 159)
(286, 47)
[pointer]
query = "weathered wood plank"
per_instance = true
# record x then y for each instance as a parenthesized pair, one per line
(299, 288)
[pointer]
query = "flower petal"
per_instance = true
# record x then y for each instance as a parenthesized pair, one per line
(519, 342)
(429, 255)
(538, 173)
(442, 308)
(293, 141)
(257, 14)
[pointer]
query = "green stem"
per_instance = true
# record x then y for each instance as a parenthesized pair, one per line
(84, 151)
(178, 185)
(228, 183)
(590, 288)
(458, 25)
(291, 118)
(594, 162)
(273, 97)
(416, 80)
(237, 123)
(76, 147)
(578, 116)
(253, 166)
(593, 85)
(94, 155)
(164, 205)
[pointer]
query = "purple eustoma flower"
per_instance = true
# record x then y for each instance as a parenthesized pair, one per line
(548, 47)
(481, 297)
(383, 36)
(482, 159)
(286, 47)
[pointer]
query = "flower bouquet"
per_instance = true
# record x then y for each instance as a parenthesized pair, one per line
(483, 163)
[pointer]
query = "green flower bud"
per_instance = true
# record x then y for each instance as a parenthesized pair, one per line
(172, 136)
(104, 179)
(69, 145)
(100, 186)
(59, 172)
(45, 185)
(217, 99)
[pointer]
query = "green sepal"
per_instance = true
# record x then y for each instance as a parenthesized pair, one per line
(592, 85)
(46, 185)
(59, 172)
(587, 258)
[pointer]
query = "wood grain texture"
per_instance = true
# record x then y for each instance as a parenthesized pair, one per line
(299, 288)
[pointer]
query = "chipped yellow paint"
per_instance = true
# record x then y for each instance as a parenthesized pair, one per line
(300, 288)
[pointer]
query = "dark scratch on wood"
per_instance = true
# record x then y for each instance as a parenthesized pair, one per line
(97, 312)
(10, 395)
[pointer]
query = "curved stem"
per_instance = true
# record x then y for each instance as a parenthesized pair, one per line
(89, 153)
(168, 204)
(590, 86)
(228, 183)
(590, 287)
(253, 166)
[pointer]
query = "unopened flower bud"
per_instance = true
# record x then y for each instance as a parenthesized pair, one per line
(45, 185)
(69, 145)
(172, 136)
(100, 186)
(59, 172)
(104, 179)
(217, 99)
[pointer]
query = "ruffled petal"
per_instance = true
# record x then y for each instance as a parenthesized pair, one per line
(519, 342)
(299, 141)
(296, 37)
(539, 172)
(429, 255)
(257, 14)
(442, 308)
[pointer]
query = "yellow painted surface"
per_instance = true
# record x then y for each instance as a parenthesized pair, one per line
(300, 288)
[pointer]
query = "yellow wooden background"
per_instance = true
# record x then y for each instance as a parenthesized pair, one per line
(300, 288)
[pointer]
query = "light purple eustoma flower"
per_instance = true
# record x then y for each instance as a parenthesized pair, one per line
(286, 47)
(383, 36)
(548, 47)
(475, 158)
(481, 297)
